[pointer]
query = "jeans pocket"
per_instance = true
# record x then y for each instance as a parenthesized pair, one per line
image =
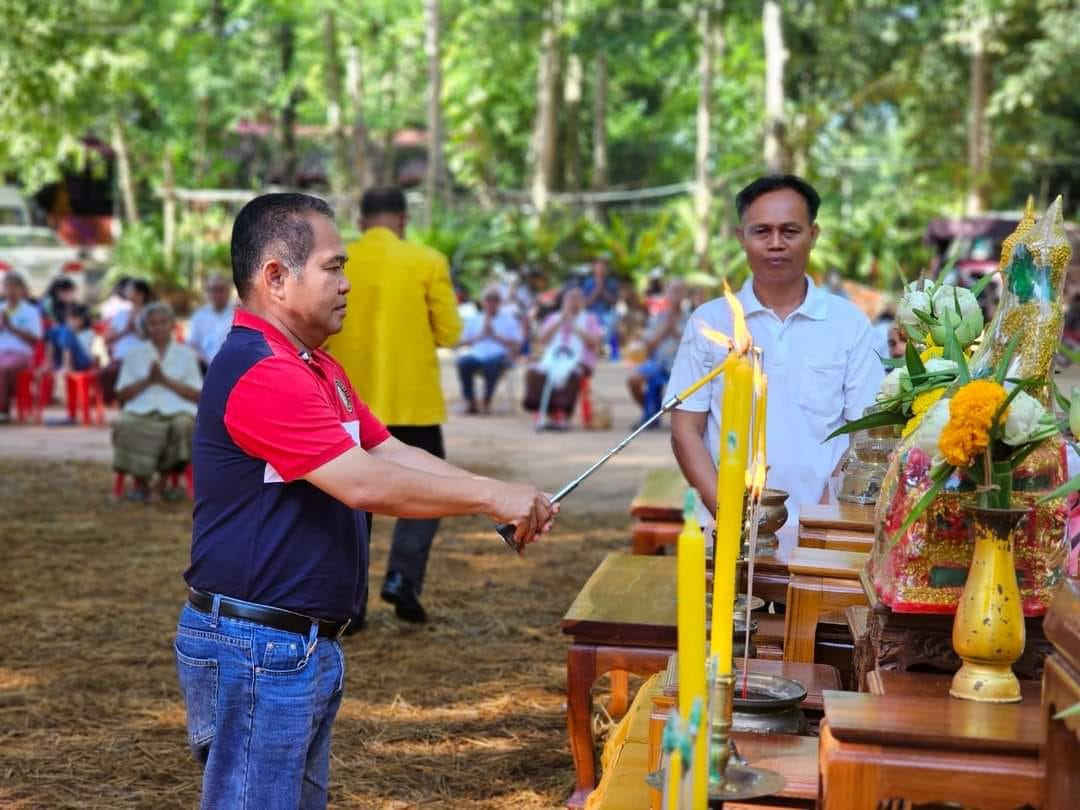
(199, 683)
(282, 656)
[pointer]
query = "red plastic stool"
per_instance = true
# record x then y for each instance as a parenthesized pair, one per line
(83, 393)
(585, 392)
(33, 387)
(173, 481)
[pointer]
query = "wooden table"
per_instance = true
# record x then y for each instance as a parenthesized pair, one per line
(792, 756)
(930, 685)
(1061, 689)
(623, 619)
(840, 526)
(821, 583)
(926, 749)
(657, 510)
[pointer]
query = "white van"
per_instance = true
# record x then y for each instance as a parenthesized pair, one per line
(14, 209)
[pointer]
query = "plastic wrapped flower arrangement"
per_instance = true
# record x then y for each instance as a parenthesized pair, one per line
(931, 315)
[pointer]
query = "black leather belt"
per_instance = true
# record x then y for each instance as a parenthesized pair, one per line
(274, 617)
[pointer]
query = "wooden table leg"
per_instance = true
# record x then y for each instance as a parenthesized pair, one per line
(801, 618)
(580, 675)
(620, 693)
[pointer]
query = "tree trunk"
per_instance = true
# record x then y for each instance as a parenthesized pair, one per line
(978, 132)
(707, 19)
(546, 131)
(168, 209)
(599, 132)
(435, 179)
(776, 154)
(572, 136)
(362, 169)
(123, 172)
(290, 160)
(341, 179)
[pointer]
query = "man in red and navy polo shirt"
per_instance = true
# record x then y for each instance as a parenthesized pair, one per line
(286, 460)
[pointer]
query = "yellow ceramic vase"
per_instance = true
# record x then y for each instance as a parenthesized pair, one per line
(988, 631)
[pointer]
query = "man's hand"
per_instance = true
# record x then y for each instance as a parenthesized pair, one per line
(488, 331)
(156, 375)
(524, 506)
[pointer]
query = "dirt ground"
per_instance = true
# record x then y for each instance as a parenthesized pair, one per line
(467, 711)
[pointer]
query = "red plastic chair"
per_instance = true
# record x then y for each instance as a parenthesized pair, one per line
(585, 395)
(34, 387)
(83, 393)
(173, 480)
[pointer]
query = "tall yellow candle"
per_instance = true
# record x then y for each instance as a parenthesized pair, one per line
(761, 392)
(736, 408)
(674, 780)
(690, 604)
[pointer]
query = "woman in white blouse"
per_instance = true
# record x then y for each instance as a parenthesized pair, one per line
(159, 387)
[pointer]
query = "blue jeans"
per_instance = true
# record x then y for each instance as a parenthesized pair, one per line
(260, 704)
(656, 378)
(492, 370)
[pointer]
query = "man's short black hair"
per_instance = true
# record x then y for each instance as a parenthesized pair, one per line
(382, 200)
(278, 221)
(774, 182)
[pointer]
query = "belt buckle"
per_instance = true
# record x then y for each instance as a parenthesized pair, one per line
(342, 629)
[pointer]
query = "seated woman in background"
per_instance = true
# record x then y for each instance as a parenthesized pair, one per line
(124, 333)
(158, 387)
(570, 338)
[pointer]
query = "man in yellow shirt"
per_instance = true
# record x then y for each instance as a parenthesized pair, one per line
(401, 307)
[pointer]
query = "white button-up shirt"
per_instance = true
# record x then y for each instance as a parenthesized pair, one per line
(822, 371)
(209, 328)
(504, 325)
(179, 363)
(26, 317)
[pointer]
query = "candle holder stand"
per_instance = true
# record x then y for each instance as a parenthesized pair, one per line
(730, 777)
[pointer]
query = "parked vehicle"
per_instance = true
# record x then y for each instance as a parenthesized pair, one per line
(973, 246)
(39, 256)
(14, 209)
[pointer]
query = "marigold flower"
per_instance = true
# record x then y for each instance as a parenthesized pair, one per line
(921, 404)
(971, 412)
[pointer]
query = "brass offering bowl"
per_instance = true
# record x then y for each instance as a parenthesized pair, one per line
(772, 515)
(771, 705)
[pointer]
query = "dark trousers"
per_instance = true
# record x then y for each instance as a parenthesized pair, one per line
(413, 537)
(492, 370)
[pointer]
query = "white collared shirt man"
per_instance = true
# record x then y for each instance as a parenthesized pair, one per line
(819, 358)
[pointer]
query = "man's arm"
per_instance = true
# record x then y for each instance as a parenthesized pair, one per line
(364, 481)
(414, 458)
(688, 444)
(442, 307)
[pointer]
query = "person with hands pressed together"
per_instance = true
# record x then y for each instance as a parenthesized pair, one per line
(20, 328)
(158, 387)
(661, 343)
(287, 458)
(489, 342)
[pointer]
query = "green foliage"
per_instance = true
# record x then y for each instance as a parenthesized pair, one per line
(138, 253)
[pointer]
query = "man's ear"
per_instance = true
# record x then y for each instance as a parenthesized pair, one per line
(814, 232)
(740, 236)
(273, 274)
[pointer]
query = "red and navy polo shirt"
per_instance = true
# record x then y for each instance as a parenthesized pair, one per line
(269, 415)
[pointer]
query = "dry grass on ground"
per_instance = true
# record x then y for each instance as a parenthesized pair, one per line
(466, 712)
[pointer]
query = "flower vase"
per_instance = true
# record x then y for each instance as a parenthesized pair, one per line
(988, 631)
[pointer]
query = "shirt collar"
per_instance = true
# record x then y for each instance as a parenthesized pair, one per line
(812, 307)
(379, 232)
(250, 320)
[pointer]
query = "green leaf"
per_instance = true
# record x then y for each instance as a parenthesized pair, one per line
(1063, 402)
(925, 317)
(1069, 712)
(1072, 354)
(914, 362)
(982, 283)
(1004, 406)
(1069, 487)
(1003, 365)
(916, 512)
(872, 420)
(956, 354)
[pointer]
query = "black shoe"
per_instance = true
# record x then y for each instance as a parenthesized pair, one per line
(398, 592)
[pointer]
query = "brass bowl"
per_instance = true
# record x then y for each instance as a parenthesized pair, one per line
(773, 513)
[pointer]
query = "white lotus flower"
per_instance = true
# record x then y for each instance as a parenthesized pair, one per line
(913, 299)
(1023, 420)
(890, 386)
(928, 432)
(936, 365)
(967, 324)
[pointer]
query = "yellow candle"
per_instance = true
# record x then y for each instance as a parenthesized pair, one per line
(736, 408)
(690, 603)
(761, 395)
(674, 780)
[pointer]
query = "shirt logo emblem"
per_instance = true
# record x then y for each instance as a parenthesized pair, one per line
(343, 394)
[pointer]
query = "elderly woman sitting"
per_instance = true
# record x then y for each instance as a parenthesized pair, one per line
(158, 386)
(571, 338)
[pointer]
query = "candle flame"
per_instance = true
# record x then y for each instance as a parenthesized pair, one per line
(740, 342)
(757, 485)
